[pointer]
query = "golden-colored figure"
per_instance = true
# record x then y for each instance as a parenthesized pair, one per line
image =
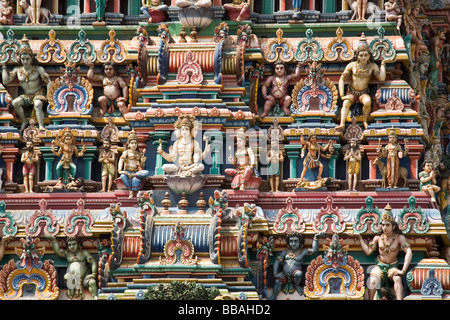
(108, 159)
(393, 152)
(66, 169)
(131, 165)
(29, 158)
(312, 158)
(389, 244)
(428, 179)
(115, 89)
(360, 71)
(353, 156)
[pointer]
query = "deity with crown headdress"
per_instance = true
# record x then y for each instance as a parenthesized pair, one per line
(30, 77)
(131, 166)
(66, 169)
(186, 153)
(386, 270)
(359, 72)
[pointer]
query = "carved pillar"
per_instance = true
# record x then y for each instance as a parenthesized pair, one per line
(216, 142)
(414, 163)
(164, 136)
(282, 5)
(88, 157)
(87, 6)
(116, 7)
(293, 153)
(49, 158)
(9, 156)
(312, 5)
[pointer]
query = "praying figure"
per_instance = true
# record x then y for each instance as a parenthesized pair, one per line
(353, 156)
(107, 158)
(29, 158)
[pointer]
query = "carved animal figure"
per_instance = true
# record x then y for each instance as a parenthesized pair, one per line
(372, 9)
(402, 172)
(45, 13)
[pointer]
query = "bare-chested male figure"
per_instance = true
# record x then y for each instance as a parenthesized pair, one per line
(115, 89)
(279, 91)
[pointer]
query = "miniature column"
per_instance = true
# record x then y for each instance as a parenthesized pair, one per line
(216, 142)
(164, 136)
(49, 158)
(332, 162)
(88, 157)
(9, 155)
(293, 153)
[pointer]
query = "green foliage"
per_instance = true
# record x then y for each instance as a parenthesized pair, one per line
(181, 291)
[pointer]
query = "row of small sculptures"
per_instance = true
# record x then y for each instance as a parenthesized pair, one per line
(82, 270)
(186, 155)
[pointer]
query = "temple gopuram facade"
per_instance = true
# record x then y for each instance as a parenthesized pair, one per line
(255, 150)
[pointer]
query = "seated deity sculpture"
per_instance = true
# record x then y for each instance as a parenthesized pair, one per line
(131, 166)
(154, 10)
(245, 176)
(6, 13)
(186, 153)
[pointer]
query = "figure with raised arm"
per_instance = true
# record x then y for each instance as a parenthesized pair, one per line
(278, 84)
(291, 261)
(389, 243)
(30, 76)
(115, 89)
(360, 72)
(312, 158)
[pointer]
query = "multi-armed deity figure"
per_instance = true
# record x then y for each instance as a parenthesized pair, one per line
(107, 158)
(428, 180)
(131, 165)
(393, 153)
(353, 156)
(186, 153)
(312, 158)
(30, 76)
(389, 244)
(360, 70)
(78, 276)
(244, 160)
(66, 169)
(29, 158)
(115, 89)
(279, 83)
(291, 261)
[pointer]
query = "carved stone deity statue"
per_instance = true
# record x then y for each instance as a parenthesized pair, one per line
(312, 158)
(30, 76)
(353, 158)
(291, 261)
(393, 152)
(278, 84)
(66, 169)
(360, 72)
(186, 153)
(6, 13)
(107, 158)
(78, 275)
(428, 180)
(154, 10)
(131, 165)
(29, 158)
(115, 89)
(389, 243)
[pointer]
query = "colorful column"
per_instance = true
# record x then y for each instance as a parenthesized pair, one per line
(9, 155)
(293, 153)
(49, 158)
(88, 157)
(164, 136)
(216, 142)
(87, 6)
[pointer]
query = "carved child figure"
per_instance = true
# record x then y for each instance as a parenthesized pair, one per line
(393, 12)
(6, 13)
(279, 83)
(115, 89)
(428, 179)
(29, 158)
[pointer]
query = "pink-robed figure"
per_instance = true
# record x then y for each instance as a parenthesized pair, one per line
(244, 160)
(238, 10)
